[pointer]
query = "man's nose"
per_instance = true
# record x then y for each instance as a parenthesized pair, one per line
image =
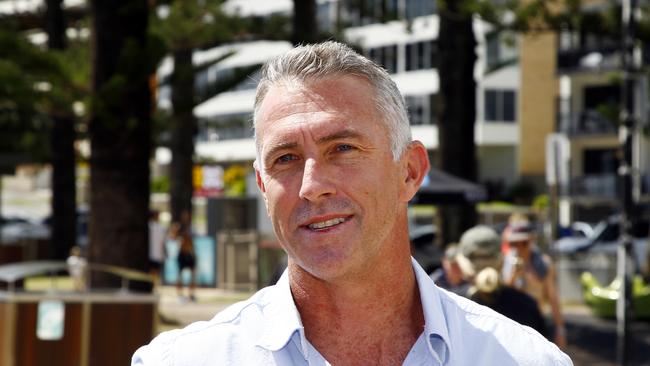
(316, 181)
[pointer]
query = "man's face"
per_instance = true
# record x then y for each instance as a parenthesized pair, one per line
(331, 186)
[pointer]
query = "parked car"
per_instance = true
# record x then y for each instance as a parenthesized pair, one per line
(602, 244)
(82, 225)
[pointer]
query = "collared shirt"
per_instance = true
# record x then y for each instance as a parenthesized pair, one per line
(266, 330)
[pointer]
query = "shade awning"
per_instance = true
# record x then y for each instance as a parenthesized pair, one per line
(440, 188)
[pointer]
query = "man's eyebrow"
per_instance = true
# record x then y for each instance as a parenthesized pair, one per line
(338, 135)
(281, 146)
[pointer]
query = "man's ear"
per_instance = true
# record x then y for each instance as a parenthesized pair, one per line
(260, 183)
(417, 167)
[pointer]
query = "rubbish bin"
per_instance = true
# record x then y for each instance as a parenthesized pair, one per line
(56, 327)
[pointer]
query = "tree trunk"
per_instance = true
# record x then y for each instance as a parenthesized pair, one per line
(457, 113)
(120, 137)
(184, 129)
(305, 26)
(55, 25)
(64, 216)
(64, 219)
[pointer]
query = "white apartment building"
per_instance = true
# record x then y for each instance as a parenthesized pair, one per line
(407, 49)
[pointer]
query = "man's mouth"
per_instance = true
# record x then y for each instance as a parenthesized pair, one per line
(326, 224)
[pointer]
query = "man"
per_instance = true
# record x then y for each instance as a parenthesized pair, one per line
(336, 167)
(157, 236)
(531, 271)
(480, 250)
(451, 276)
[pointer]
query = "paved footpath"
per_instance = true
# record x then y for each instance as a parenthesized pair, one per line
(592, 341)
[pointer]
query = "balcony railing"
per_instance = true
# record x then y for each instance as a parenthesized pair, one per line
(596, 185)
(225, 133)
(587, 122)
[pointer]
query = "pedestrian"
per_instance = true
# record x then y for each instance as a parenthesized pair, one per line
(480, 250)
(337, 167)
(526, 268)
(451, 276)
(182, 232)
(157, 236)
(514, 217)
(77, 268)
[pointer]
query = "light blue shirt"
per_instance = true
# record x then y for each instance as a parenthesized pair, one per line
(266, 330)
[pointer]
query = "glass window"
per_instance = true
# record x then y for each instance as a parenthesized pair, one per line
(409, 57)
(509, 105)
(390, 59)
(416, 109)
(433, 55)
(490, 105)
(493, 57)
(500, 105)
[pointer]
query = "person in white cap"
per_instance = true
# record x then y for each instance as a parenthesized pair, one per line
(525, 267)
(480, 258)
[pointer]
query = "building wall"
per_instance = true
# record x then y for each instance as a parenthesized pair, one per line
(496, 164)
(538, 95)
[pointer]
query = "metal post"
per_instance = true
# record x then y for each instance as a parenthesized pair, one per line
(625, 171)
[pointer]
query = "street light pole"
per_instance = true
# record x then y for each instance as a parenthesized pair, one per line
(625, 172)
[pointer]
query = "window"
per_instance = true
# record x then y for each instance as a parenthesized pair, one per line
(385, 56)
(416, 8)
(500, 105)
(420, 108)
(493, 48)
(421, 55)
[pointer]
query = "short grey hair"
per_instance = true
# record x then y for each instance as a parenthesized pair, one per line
(330, 59)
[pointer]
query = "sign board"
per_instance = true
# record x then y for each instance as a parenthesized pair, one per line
(207, 180)
(558, 154)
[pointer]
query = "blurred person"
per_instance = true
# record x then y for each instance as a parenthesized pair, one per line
(479, 253)
(182, 232)
(157, 236)
(336, 167)
(526, 268)
(77, 268)
(450, 276)
(514, 217)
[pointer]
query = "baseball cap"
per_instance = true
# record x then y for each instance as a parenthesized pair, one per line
(519, 231)
(480, 241)
(479, 247)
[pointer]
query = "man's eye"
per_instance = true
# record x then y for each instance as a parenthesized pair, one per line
(344, 147)
(286, 158)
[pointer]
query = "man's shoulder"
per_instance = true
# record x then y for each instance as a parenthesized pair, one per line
(471, 324)
(231, 331)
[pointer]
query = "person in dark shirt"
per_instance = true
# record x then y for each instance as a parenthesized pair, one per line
(480, 249)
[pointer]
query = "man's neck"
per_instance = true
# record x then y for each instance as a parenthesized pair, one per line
(375, 319)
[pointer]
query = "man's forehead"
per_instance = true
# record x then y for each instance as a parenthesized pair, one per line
(328, 106)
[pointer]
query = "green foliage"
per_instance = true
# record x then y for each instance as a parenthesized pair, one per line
(194, 24)
(160, 184)
(541, 202)
(30, 89)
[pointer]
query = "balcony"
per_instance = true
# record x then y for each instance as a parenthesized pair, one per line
(224, 133)
(585, 123)
(602, 186)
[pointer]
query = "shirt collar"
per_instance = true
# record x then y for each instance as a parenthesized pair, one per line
(435, 322)
(282, 320)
